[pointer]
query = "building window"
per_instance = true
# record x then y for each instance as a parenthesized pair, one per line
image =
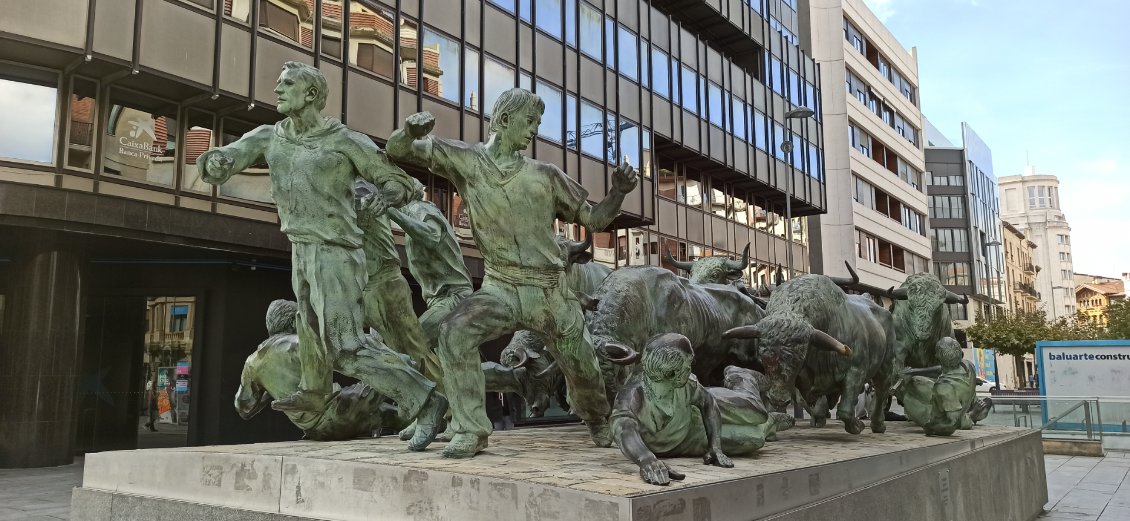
(552, 124)
(955, 240)
(689, 88)
(441, 66)
(197, 140)
(29, 105)
(471, 97)
(591, 37)
(373, 58)
(952, 273)
(660, 73)
(252, 184)
(571, 121)
(549, 17)
(627, 62)
(499, 78)
(80, 126)
(141, 135)
(592, 130)
(947, 207)
(279, 20)
(714, 107)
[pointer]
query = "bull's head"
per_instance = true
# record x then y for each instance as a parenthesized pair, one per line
(926, 303)
(576, 252)
(783, 343)
(718, 269)
(541, 373)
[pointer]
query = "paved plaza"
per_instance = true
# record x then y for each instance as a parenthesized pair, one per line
(1079, 489)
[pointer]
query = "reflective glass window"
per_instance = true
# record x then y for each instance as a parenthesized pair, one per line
(628, 144)
(331, 27)
(441, 65)
(27, 128)
(760, 131)
(238, 9)
(645, 68)
(738, 117)
(610, 49)
(371, 37)
(197, 140)
(410, 56)
(80, 127)
(549, 17)
(472, 98)
(571, 138)
(645, 153)
(628, 44)
(592, 130)
(571, 22)
(714, 104)
(141, 139)
(506, 5)
(525, 9)
(689, 89)
(288, 21)
(591, 36)
(252, 184)
(499, 78)
(660, 73)
(552, 123)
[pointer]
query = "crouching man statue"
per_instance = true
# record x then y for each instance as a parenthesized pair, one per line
(274, 369)
(942, 399)
(662, 411)
(313, 163)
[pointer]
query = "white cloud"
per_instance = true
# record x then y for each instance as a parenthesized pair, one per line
(1100, 166)
(882, 9)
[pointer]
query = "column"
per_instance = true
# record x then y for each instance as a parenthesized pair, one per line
(40, 349)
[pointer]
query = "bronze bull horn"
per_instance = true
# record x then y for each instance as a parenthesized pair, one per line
(523, 358)
(954, 298)
(898, 294)
(548, 369)
(620, 354)
(829, 343)
(742, 332)
(580, 247)
(851, 280)
(683, 265)
(742, 264)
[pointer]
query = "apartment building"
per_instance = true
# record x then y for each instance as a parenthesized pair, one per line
(1030, 202)
(106, 227)
(876, 219)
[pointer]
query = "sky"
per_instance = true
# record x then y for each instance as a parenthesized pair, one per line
(1042, 82)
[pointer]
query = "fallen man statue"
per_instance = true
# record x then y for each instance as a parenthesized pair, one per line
(942, 398)
(662, 411)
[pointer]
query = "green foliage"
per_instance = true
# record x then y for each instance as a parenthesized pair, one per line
(1118, 320)
(1010, 333)
(1017, 333)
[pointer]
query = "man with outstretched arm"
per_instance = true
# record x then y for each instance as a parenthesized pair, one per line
(313, 162)
(513, 201)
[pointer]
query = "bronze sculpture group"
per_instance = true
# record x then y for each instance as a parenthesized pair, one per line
(658, 364)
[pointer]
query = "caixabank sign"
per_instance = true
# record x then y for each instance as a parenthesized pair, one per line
(1086, 368)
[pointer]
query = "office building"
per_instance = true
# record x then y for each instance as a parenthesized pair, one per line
(876, 219)
(1030, 202)
(105, 223)
(965, 225)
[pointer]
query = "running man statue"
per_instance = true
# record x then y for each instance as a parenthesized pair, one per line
(313, 163)
(513, 201)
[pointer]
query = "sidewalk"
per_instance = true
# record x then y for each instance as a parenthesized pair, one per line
(1088, 489)
(38, 494)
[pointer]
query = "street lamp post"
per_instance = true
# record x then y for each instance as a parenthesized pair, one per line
(787, 148)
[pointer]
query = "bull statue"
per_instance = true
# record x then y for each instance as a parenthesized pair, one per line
(526, 367)
(803, 344)
(718, 269)
(922, 319)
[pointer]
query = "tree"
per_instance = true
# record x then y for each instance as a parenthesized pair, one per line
(1118, 320)
(1010, 333)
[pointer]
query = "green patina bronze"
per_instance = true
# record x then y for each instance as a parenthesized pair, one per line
(663, 411)
(314, 161)
(275, 369)
(434, 259)
(940, 399)
(513, 202)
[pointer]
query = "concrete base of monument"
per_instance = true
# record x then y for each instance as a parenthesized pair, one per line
(990, 473)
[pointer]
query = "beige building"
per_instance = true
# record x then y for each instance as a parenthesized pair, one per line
(877, 204)
(1093, 294)
(1020, 271)
(1030, 202)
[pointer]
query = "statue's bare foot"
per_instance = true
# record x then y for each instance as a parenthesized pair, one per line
(465, 445)
(408, 431)
(601, 433)
(428, 422)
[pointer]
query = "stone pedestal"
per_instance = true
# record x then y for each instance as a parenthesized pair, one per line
(555, 474)
(39, 353)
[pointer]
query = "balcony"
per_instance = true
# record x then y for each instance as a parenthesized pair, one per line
(1031, 269)
(1027, 290)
